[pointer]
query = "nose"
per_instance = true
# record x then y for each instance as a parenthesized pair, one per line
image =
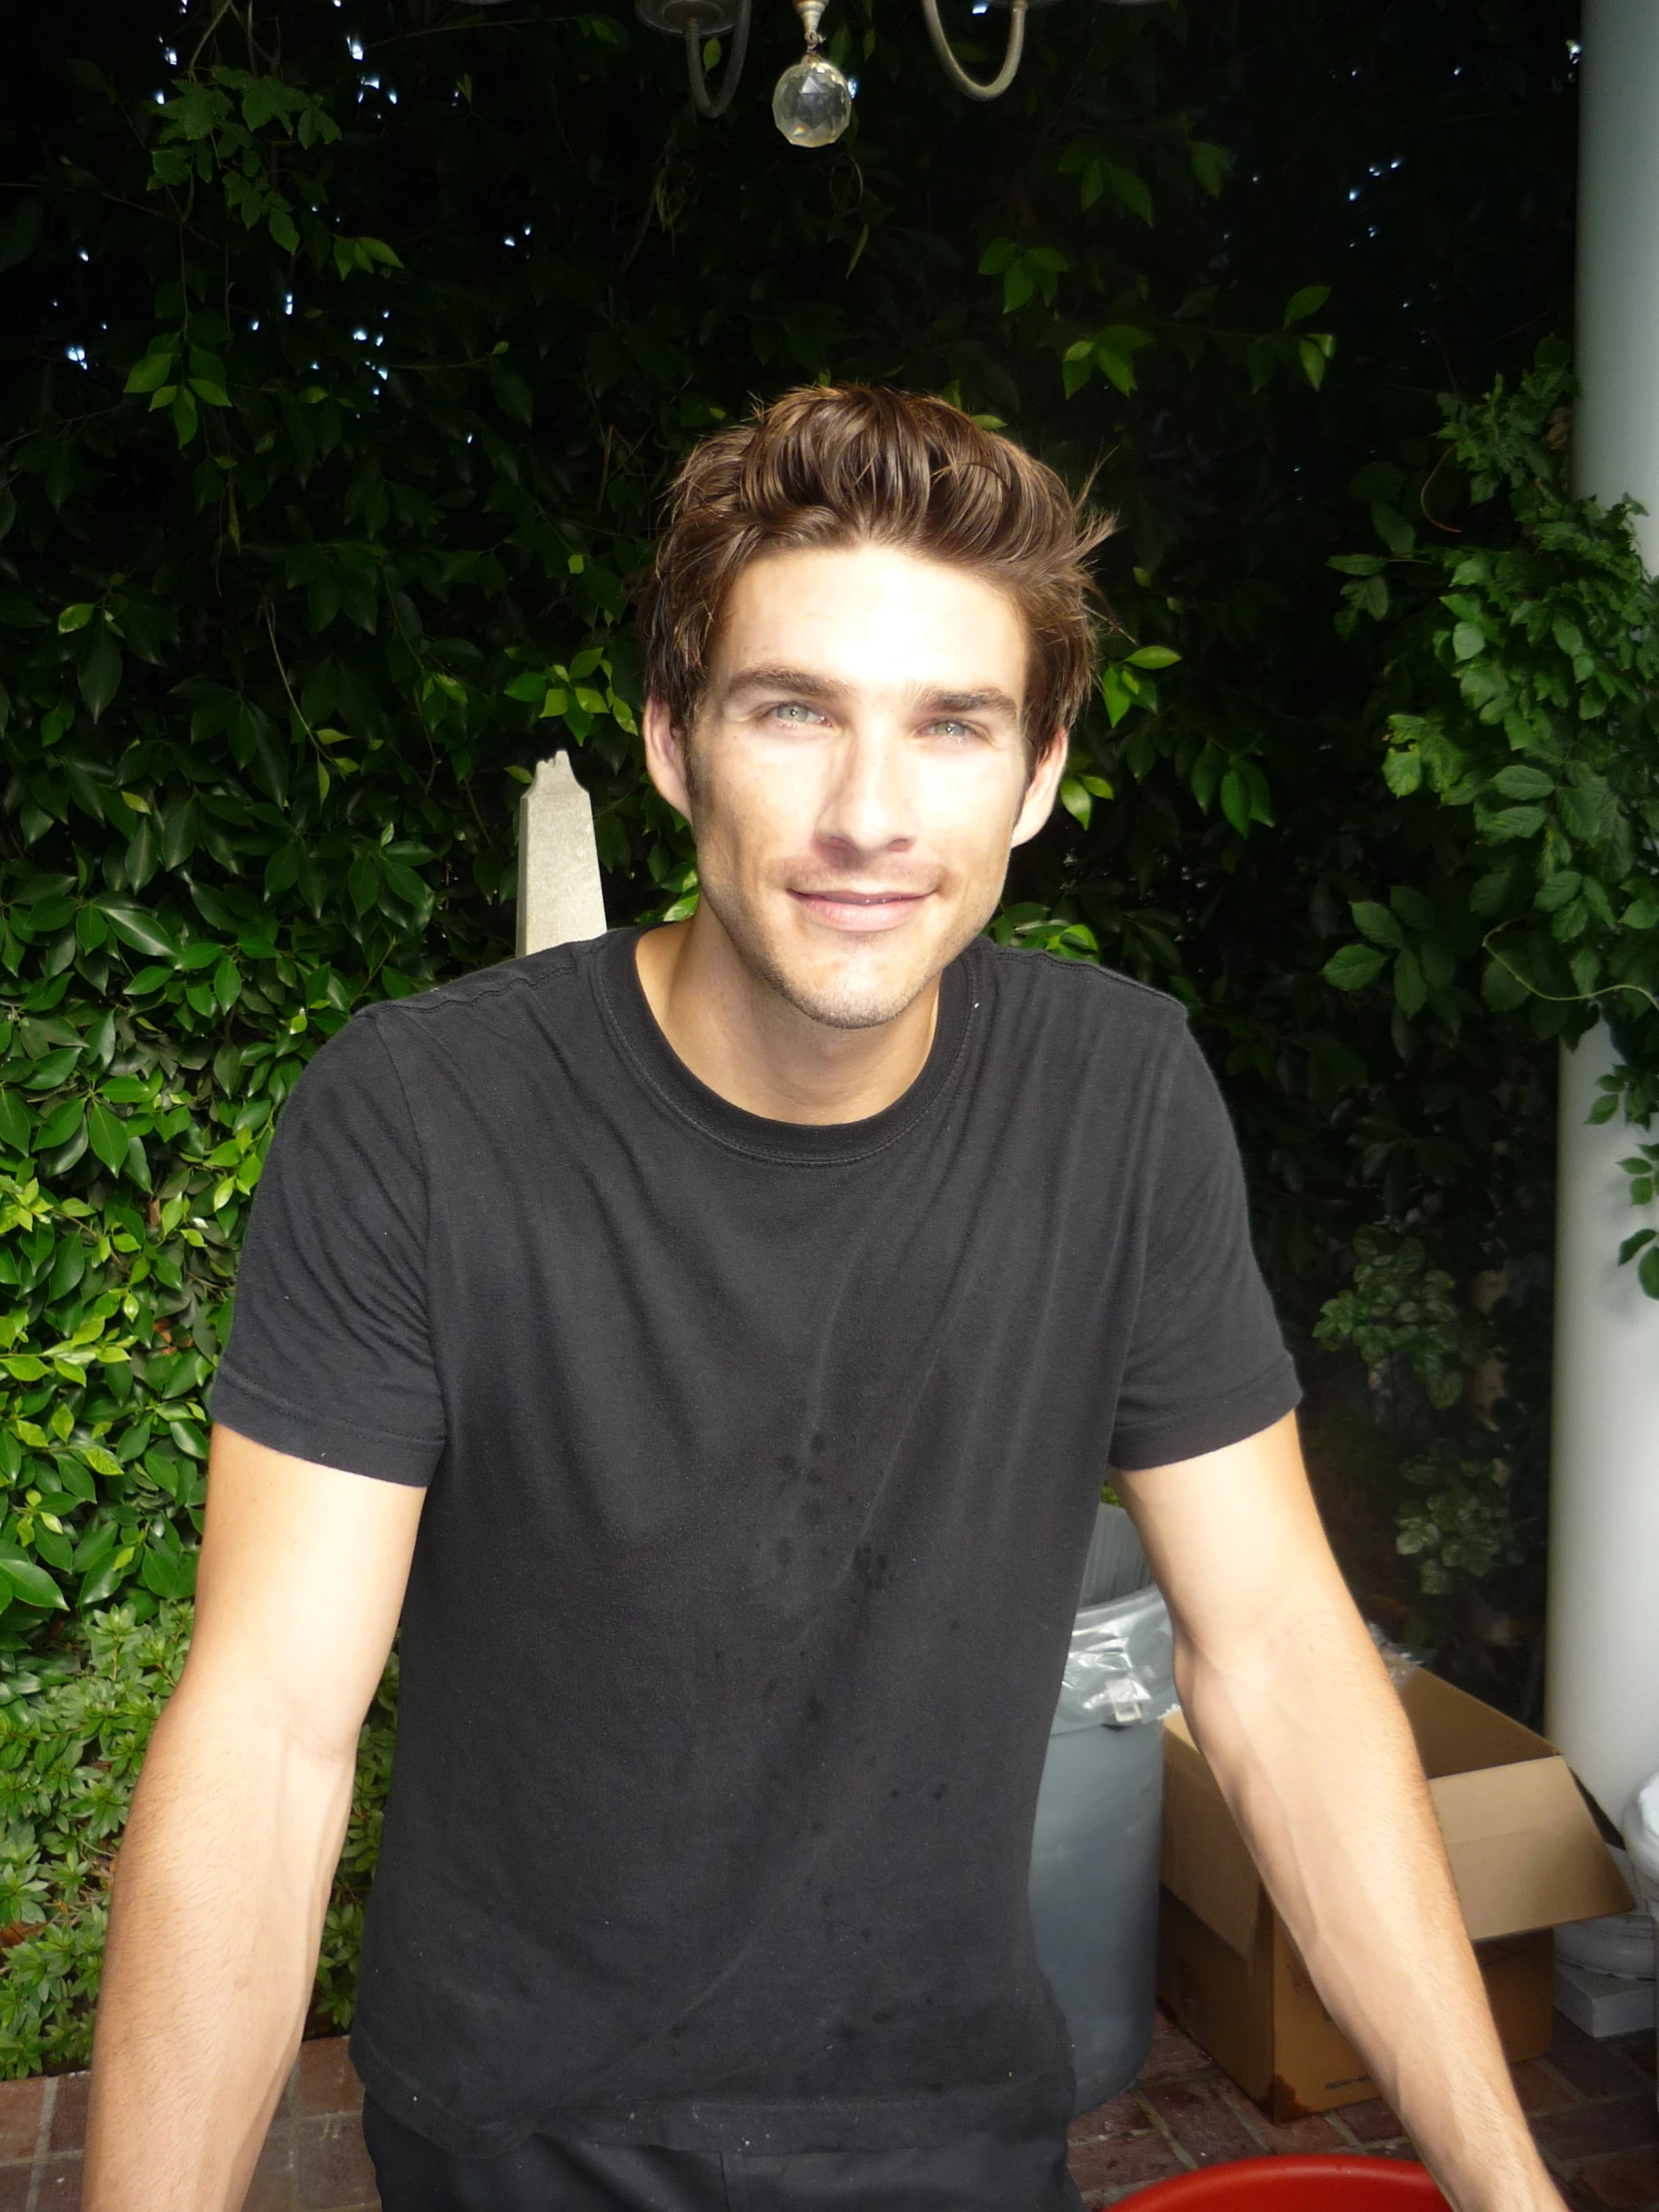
(868, 805)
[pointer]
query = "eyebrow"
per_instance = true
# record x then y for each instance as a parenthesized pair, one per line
(936, 700)
(990, 701)
(770, 677)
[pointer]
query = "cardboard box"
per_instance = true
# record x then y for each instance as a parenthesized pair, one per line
(1524, 1853)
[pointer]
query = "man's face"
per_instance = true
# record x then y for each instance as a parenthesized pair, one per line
(856, 776)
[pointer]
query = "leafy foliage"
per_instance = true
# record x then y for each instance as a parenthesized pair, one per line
(1531, 660)
(1516, 681)
(1464, 1526)
(1399, 1308)
(73, 1733)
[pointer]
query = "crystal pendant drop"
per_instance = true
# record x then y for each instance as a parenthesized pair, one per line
(813, 103)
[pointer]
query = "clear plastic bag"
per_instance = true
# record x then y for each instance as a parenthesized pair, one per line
(1401, 1663)
(1120, 1671)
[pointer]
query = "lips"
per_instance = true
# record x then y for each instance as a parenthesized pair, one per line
(860, 910)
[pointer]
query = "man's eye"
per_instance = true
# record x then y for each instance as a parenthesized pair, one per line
(793, 709)
(950, 730)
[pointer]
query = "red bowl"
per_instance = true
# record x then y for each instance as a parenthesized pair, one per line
(1297, 2185)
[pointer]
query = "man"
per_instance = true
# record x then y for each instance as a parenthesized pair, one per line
(713, 1340)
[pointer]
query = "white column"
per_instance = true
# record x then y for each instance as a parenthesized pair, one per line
(559, 899)
(1603, 1700)
(1603, 1636)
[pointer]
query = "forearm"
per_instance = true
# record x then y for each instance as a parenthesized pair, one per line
(217, 1910)
(1310, 1746)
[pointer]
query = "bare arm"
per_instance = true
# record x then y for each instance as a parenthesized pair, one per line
(1287, 1700)
(237, 1822)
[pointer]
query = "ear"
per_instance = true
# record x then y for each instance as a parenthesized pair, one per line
(665, 755)
(1041, 792)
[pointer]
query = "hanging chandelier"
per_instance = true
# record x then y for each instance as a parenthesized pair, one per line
(812, 103)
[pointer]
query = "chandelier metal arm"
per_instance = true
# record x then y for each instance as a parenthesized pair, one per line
(953, 69)
(715, 102)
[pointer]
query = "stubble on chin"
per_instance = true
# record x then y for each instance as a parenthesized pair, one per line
(851, 1000)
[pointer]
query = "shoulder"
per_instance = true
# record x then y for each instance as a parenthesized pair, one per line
(1078, 997)
(385, 1056)
(511, 990)
(481, 1024)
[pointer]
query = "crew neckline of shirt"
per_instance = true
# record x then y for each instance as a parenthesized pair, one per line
(659, 1067)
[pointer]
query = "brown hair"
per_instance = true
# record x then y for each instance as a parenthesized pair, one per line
(835, 465)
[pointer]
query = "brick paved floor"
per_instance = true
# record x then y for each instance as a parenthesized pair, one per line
(1591, 2105)
(1592, 2109)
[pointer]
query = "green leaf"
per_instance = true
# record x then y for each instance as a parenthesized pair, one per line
(1402, 769)
(513, 395)
(1129, 189)
(59, 1126)
(1556, 891)
(1210, 166)
(1411, 988)
(102, 1580)
(98, 670)
(1153, 656)
(1440, 963)
(142, 931)
(1304, 303)
(168, 1576)
(76, 617)
(1468, 642)
(154, 370)
(1235, 800)
(1502, 989)
(198, 110)
(1356, 965)
(1377, 923)
(14, 1122)
(107, 1135)
(1647, 1270)
(1076, 800)
(30, 1581)
(1514, 822)
(1521, 781)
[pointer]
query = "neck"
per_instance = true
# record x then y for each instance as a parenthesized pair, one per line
(738, 1035)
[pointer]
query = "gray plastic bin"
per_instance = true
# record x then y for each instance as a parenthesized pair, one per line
(1094, 1852)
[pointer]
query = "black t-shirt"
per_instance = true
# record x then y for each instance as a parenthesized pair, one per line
(762, 1463)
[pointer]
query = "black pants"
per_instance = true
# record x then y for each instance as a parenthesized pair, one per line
(985, 2173)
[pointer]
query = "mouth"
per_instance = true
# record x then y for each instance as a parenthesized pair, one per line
(859, 912)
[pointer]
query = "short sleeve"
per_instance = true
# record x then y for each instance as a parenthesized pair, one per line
(329, 1358)
(1207, 1365)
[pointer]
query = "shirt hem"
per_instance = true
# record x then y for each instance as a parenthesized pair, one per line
(1241, 1413)
(266, 1420)
(908, 2119)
